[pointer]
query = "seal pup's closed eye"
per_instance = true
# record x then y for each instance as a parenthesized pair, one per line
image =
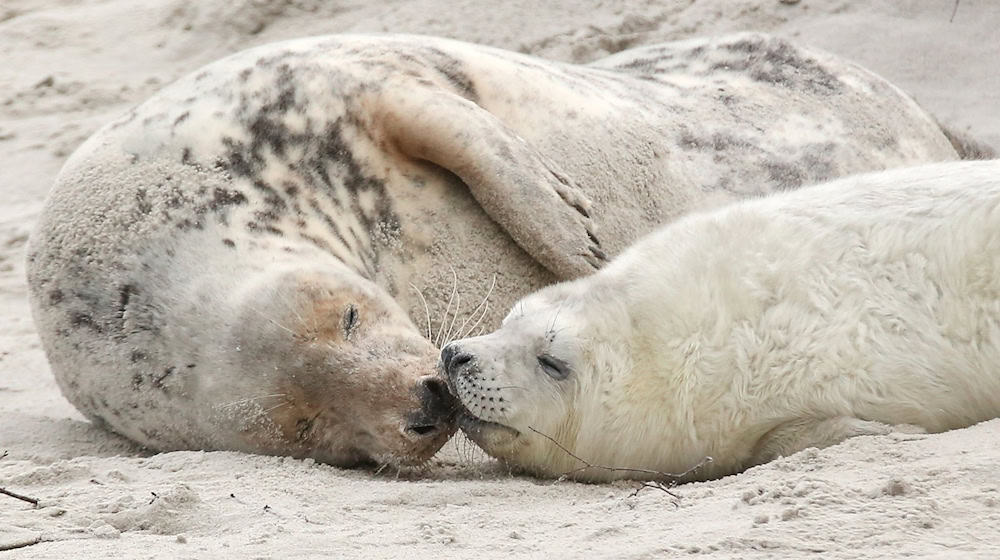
(754, 331)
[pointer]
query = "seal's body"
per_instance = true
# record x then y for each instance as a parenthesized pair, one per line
(228, 265)
(755, 331)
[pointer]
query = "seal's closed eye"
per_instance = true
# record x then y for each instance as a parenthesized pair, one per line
(554, 367)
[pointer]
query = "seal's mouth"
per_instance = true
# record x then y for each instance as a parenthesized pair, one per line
(471, 424)
(490, 436)
(487, 435)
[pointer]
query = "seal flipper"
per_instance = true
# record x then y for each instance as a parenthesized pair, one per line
(792, 437)
(517, 186)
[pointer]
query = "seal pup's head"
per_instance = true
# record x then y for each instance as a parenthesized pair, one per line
(545, 385)
(351, 379)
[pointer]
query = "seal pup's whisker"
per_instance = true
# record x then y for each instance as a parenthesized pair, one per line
(468, 452)
(555, 317)
(427, 310)
(447, 309)
(484, 305)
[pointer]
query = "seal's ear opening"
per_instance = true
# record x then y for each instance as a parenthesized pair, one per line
(350, 320)
(504, 173)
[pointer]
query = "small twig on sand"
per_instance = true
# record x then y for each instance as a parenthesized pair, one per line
(954, 11)
(30, 500)
(662, 480)
(21, 544)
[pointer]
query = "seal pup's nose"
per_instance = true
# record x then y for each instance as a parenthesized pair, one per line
(437, 408)
(453, 360)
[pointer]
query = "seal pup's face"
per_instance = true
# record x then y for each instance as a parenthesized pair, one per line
(352, 379)
(537, 378)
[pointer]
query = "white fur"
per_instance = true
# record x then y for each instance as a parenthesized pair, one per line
(763, 328)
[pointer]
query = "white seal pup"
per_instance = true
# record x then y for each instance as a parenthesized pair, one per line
(755, 331)
(228, 265)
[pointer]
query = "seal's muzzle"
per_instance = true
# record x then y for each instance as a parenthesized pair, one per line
(437, 409)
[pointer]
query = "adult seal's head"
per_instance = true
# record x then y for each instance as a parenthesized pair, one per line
(333, 365)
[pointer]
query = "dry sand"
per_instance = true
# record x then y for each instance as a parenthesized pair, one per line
(67, 66)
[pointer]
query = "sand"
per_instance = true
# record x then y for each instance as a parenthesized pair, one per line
(66, 67)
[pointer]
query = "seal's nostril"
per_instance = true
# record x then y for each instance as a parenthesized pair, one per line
(436, 402)
(422, 429)
(453, 358)
(435, 387)
(447, 353)
(459, 361)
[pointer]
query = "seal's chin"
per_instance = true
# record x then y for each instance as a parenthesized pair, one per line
(490, 436)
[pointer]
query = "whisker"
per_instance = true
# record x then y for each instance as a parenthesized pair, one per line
(556, 317)
(454, 317)
(277, 324)
(454, 290)
(472, 453)
(277, 406)
(478, 321)
(427, 310)
(299, 317)
(250, 399)
(483, 304)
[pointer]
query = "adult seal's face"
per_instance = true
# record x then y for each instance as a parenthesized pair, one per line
(351, 379)
(532, 392)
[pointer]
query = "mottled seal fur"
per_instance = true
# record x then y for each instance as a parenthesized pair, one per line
(228, 265)
(755, 331)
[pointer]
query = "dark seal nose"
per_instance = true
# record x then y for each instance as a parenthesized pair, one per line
(454, 361)
(437, 408)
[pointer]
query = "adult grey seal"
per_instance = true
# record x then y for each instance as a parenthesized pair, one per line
(228, 265)
(754, 331)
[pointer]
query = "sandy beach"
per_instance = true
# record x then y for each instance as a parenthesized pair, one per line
(69, 66)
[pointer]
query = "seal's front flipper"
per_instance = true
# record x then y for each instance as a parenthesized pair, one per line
(792, 437)
(517, 186)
